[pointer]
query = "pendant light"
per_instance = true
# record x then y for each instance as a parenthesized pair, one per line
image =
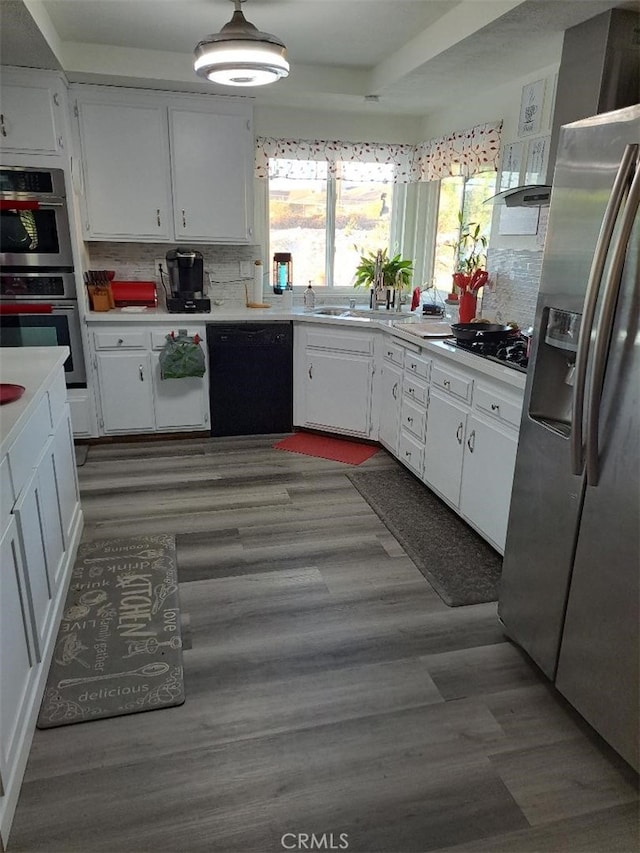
(241, 55)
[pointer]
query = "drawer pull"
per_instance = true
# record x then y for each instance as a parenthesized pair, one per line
(413, 366)
(409, 420)
(459, 432)
(120, 341)
(394, 391)
(446, 383)
(158, 216)
(407, 453)
(389, 354)
(471, 441)
(184, 220)
(411, 390)
(141, 373)
(495, 407)
(310, 371)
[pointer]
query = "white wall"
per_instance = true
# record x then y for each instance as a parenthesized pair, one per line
(292, 123)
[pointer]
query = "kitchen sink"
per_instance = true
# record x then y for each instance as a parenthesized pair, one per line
(364, 314)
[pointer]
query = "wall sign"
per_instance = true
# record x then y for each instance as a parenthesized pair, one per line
(511, 166)
(531, 108)
(537, 156)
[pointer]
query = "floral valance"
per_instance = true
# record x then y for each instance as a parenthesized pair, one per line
(385, 160)
(464, 152)
(461, 153)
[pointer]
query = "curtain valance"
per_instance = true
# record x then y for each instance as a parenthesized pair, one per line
(461, 153)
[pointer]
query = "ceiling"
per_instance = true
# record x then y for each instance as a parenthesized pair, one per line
(405, 57)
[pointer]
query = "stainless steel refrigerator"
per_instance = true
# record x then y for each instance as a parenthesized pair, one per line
(570, 589)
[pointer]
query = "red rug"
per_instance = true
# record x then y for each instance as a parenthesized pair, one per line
(337, 449)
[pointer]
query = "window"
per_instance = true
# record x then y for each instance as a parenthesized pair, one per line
(466, 195)
(328, 222)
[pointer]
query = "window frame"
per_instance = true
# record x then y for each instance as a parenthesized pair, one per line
(395, 230)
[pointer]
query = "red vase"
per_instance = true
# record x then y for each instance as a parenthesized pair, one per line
(467, 309)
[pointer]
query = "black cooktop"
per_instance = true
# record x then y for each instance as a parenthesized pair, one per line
(511, 353)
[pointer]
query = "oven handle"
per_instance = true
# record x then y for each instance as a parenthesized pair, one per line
(25, 308)
(31, 204)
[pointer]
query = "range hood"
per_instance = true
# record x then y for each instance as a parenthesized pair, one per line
(599, 72)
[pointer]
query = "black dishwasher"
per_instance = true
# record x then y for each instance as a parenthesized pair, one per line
(250, 378)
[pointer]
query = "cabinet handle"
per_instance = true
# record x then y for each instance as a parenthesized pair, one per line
(120, 340)
(56, 99)
(413, 366)
(459, 432)
(471, 441)
(389, 354)
(394, 391)
(407, 453)
(184, 220)
(158, 216)
(141, 373)
(310, 371)
(446, 383)
(3, 129)
(411, 390)
(409, 419)
(495, 407)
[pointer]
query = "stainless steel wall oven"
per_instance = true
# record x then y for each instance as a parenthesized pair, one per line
(38, 298)
(34, 220)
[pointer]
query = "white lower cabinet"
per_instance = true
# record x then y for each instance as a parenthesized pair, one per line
(333, 381)
(133, 397)
(17, 659)
(444, 447)
(41, 529)
(178, 403)
(390, 389)
(489, 462)
(126, 394)
(339, 392)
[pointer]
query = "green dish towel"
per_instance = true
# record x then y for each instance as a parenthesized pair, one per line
(181, 357)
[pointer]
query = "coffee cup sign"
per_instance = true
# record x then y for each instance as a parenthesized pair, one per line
(531, 108)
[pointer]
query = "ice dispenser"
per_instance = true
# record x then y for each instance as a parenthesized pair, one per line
(552, 384)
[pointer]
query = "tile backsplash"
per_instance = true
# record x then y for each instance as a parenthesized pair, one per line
(223, 274)
(516, 281)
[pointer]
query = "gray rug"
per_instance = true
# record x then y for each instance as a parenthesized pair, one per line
(457, 562)
(119, 647)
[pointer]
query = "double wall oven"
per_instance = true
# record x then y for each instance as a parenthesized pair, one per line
(38, 299)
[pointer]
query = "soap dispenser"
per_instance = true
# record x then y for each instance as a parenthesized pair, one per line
(309, 298)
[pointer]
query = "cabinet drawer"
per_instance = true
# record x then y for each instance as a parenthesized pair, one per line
(120, 340)
(393, 353)
(414, 419)
(159, 337)
(57, 397)
(341, 341)
(418, 366)
(486, 400)
(26, 449)
(411, 453)
(451, 382)
(414, 389)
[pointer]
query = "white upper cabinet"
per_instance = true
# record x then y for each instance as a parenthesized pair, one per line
(158, 167)
(211, 159)
(32, 113)
(125, 153)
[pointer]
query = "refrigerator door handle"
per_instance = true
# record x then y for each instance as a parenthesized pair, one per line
(605, 326)
(625, 170)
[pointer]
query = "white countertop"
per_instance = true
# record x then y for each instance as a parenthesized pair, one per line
(387, 321)
(32, 367)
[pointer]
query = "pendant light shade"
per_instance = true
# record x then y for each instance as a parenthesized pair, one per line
(241, 55)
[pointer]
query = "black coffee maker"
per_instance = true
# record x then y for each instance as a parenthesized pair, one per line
(186, 279)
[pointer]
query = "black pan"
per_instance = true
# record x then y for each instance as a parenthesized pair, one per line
(482, 332)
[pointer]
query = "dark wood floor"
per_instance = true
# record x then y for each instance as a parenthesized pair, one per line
(329, 689)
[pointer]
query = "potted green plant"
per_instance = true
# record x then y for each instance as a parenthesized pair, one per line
(394, 272)
(470, 258)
